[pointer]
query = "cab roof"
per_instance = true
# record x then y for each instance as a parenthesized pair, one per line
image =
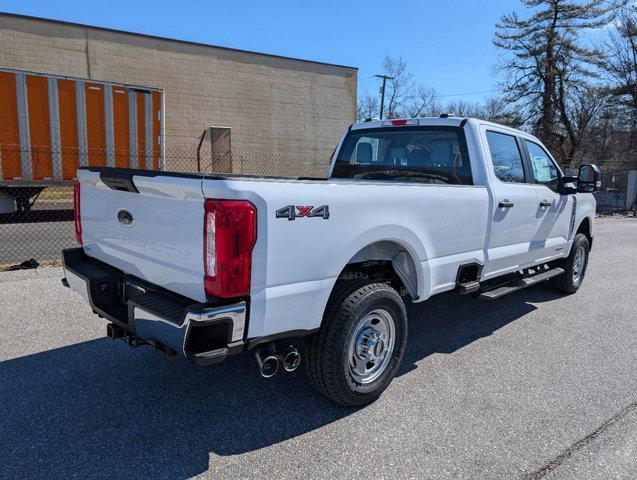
(403, 122)
(443, 120)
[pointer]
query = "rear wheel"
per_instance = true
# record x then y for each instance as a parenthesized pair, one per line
(574, 266)
(355, 354)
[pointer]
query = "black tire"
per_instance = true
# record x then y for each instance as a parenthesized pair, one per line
(328, 351)
(574, 273)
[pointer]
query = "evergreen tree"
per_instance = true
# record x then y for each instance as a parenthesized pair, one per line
(547, 66)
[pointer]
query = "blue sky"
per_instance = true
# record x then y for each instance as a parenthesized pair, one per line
(446, 43)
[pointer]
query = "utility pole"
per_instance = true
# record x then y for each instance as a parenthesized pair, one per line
(382, 92)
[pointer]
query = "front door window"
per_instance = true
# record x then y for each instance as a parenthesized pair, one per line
(544, 169)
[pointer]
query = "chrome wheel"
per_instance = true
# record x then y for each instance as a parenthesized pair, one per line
(578, 265)
(372, 345)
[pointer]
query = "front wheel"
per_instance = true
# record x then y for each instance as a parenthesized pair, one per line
(574, 266)
(357, 351)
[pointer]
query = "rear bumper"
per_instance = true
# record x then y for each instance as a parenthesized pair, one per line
(203, 333)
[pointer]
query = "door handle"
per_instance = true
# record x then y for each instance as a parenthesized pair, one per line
(505, 204)
(545, 203)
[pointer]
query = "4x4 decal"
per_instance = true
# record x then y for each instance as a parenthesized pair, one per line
(292, 212)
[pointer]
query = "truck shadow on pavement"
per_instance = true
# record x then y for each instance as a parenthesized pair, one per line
(98, 409)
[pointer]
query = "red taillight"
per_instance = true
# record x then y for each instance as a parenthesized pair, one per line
(76, 213)
(230, 230)
(398, 123)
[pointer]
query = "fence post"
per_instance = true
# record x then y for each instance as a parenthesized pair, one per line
(631, 189)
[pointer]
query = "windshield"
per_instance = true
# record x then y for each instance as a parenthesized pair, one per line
(422, 154)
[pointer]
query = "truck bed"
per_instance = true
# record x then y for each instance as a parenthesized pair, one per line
(293, 262)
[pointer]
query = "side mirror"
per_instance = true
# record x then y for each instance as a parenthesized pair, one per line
(567, 185)
(589, 179)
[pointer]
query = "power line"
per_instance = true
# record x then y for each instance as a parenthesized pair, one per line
(463, 94)
(467, 93)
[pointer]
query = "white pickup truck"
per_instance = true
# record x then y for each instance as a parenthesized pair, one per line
(207, 265)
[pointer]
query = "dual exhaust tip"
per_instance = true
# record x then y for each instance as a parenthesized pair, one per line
(270, 358)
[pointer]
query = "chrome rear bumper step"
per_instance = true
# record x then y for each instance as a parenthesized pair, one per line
(141, 313)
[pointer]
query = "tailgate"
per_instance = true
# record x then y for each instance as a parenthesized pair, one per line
(154, 233)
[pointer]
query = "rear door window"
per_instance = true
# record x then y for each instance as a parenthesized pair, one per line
(506, 157)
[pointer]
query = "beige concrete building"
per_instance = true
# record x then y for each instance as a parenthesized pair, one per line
(275, 105)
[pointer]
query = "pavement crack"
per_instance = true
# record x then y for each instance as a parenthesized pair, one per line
(581, 443)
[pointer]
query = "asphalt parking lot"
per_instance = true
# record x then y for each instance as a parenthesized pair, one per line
(534, 385)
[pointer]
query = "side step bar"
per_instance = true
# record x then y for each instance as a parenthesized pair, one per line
(520, 284)
(468, 287)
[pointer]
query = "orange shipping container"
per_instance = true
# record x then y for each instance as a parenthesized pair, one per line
(50, 125)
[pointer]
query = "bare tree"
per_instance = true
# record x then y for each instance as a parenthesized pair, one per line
(498, 111)
(399, 91)
(367, 107)
(578, 104)
(619, 61)
(607, 141)
(546, 63)
(463, 108)
(399, 88)
(579, 116)
(423, 102)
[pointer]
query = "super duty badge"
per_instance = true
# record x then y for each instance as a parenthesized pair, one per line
(292, 212)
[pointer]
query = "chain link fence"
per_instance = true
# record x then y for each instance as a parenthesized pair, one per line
(611, 198)
(37, 218)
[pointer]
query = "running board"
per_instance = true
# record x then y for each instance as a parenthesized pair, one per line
(516, 285)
